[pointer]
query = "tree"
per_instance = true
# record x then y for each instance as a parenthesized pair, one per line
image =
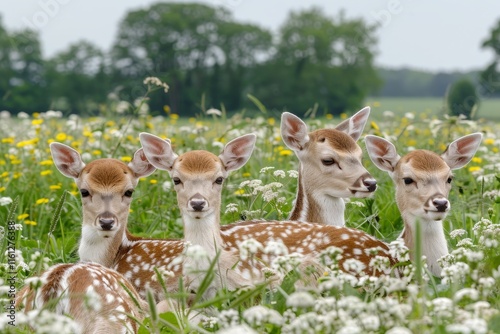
(77, 78)
(320, 60)
(22, 81)
(462, 98)
(197, 49)
(490, 76)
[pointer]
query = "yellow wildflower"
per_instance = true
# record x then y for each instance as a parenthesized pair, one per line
(30, 222)
(192, 120)
(477, 160)
(23, 216)
(174, 116)
(166, 109)
(37, 121)
(17, 175)
(376, 104)
(2, 189)
(412, 142)
(74, 192)
(246, 174)
(61, 136)
(442, 147)
(153, 181)
(8, 140)
(55, 187)
(4, 174)
(96, 152)
(489, 141)
(110, 124)
(286, 153)
(495, 149)
(239, 192)
(126, 159)
(271, 121)
(46, 163)
(329, 116)
(374, 126)
(343, 116)
(42, 201)
(87, 133)
(474, 169)
(45, 172)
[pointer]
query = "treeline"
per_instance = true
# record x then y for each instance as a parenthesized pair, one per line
(407, 82)
(209, 60)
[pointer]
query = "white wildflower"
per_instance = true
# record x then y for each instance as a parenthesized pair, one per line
(476, 325)
(300, 299)
(248, 248)
(122, 107)
(4, 114)
(228, 318)
(466, 242)
(357, 203)
(166, 186)
(23, 115)
(279, 173)
(240, 329)
(353, 266)
(5, 201)
(469, 293)
(442, 307)
(231, 208)
(388, 114)
(265, 169)
(458, 233)
(213, 111)
(259, 315)
(398, 250)
(410, 115)
(275, 248)
(293, 174)
(156, 82)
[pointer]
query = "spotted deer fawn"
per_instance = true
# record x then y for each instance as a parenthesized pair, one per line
(198, 177)
(106, 187)
(330, 167)
(423, 182)
(91, 294)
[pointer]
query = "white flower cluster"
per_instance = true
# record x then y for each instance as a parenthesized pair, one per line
(156, 82)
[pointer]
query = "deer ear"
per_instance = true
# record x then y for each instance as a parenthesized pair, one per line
(237, 152)
(354, 125)
(461, 151)
(293, 131)
(382, 153)
(140, 164)
(158, 151)
(67, 160)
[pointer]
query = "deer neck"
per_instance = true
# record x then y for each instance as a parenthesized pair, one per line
(96, 248)
(316, 207)
(434, 244)
(204, 232)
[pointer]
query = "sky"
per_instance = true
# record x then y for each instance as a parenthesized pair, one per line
(427, 35)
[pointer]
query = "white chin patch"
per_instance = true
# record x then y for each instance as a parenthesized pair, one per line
(436, 215)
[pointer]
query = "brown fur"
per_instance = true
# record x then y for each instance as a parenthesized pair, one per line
(196, 161)
(423, 160)
(107, 172)
(338, 140)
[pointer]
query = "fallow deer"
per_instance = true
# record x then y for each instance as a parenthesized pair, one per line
(423, 181)
(106, 187)
(330, 167)
(91, 294)
(198, 177)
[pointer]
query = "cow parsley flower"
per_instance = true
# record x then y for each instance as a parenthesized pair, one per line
(300, 299)
(248, 248)
(259, 315)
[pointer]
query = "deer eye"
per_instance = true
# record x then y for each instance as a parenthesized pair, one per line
(327, 162)
(84, 192)
(219, 180)
(449, 179)
(129, 193)
(176, 180)
(408, 180)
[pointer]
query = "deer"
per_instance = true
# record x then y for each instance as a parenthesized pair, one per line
(106, 187)
(423, 181)
(98, 299)
(198, 177)
(330, 167)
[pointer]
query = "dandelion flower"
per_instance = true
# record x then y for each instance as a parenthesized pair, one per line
(42, 201)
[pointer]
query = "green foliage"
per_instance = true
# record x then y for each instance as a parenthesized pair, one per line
(490, 76)
(462, 99)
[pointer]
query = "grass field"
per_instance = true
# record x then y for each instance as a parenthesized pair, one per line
(465, 300)
(488, 108)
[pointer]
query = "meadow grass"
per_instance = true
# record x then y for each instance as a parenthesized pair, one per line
(465, 300)
(489, 108)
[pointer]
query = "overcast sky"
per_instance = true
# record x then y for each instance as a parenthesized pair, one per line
(429, 35)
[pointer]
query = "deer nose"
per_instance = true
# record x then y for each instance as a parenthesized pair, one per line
(106, 223)
(370, 184)
(441, 204)
(197, 202)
